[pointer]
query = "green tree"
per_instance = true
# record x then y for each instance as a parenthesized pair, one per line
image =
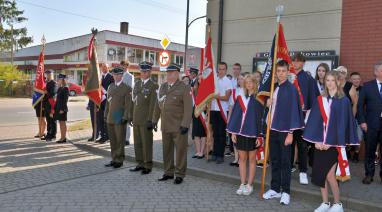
(12, 38)
(10, 73)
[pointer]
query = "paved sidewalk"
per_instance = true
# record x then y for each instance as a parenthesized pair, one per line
(40, 176)
(352, 192)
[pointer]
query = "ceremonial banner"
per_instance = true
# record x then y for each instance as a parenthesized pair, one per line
(207, 88)
(282, 54)
(92, 85)
(39, 83)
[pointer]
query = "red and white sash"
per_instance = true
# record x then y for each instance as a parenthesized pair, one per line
(260, 152)
(343, 170)
(222, 112)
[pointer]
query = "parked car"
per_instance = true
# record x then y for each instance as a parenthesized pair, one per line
(74, 89)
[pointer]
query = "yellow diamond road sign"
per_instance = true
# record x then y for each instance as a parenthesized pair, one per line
(165, 42)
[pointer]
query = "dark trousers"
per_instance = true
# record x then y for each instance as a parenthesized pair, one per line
(280, 162)
(51, 123)
(219, 133)
(101, 124)
(91, 110)
(302, 150)
(373, 138)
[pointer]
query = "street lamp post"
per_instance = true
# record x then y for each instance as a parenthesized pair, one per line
(188, 26)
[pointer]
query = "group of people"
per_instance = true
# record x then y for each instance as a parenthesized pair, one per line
(309, 123)
(52, 108)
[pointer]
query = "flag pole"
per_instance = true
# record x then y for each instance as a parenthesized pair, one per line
(209, 137)
(279, 10)
(40, 118)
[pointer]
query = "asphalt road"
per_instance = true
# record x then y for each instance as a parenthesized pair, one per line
(19, 111)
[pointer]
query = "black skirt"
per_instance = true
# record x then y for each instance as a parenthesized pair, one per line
(323, 162)
(60, 117)
(39, 112)
(245, 143)
(197, 128)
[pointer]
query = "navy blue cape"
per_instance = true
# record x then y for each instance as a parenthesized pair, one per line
(341, 129)
(288, 114)
(251, 125)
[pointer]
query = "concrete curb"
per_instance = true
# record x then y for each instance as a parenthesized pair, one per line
(302, 194)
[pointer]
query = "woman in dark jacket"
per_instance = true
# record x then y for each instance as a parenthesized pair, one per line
(61, 107)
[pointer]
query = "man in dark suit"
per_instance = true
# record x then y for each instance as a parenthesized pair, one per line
(49, 101)
(369, 116)
(106, 80)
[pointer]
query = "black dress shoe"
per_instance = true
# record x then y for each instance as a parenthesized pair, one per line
(195, 156)
(145, 171)
(61, 141)
(165, 177)
(200, 157)
(178, 180)
(117, 165)
(127, 143)
(91, 139)
(234, 164)
(100, 140)
(110, 164)
(367, 180)
(43, 138)
(137, 169)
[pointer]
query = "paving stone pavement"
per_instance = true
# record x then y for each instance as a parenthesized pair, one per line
(349, 189)
(40, 176)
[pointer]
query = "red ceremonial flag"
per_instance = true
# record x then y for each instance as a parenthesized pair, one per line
(39, 83)
(283, 54)
(92, 85)
(207, 88)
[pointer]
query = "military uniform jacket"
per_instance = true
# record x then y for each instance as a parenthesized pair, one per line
(119, 103)
(174, 106)
(144, 99)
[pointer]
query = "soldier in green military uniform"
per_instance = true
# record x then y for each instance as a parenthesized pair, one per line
(174, 106)
(144, 99)
(118, 113)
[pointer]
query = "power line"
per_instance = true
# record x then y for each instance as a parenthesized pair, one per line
(90, 17)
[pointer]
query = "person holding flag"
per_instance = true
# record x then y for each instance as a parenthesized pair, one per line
(49, 102)
(38, 94)
(285, 117)
(331, 127)
(219, 112)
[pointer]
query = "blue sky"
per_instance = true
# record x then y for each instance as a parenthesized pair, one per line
(150, 18)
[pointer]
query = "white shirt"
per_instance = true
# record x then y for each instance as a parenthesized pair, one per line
(224, 84)
(379, 85)
(118, 83)
(234, 82)
(145, 81)
(239, 91)
(274, 103)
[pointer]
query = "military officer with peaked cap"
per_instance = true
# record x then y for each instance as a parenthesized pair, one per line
(118, 113)
(174, 106)
(144, 100)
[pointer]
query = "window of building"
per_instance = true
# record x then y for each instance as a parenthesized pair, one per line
(178, 59)
(76, 56)
(135, 55)
(150, 56)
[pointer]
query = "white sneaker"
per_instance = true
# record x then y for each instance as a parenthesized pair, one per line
(303, 178)
(285, 199)
(248, 190)
(324, 207)
(241, 189)
(270, 194)
(336, 207)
